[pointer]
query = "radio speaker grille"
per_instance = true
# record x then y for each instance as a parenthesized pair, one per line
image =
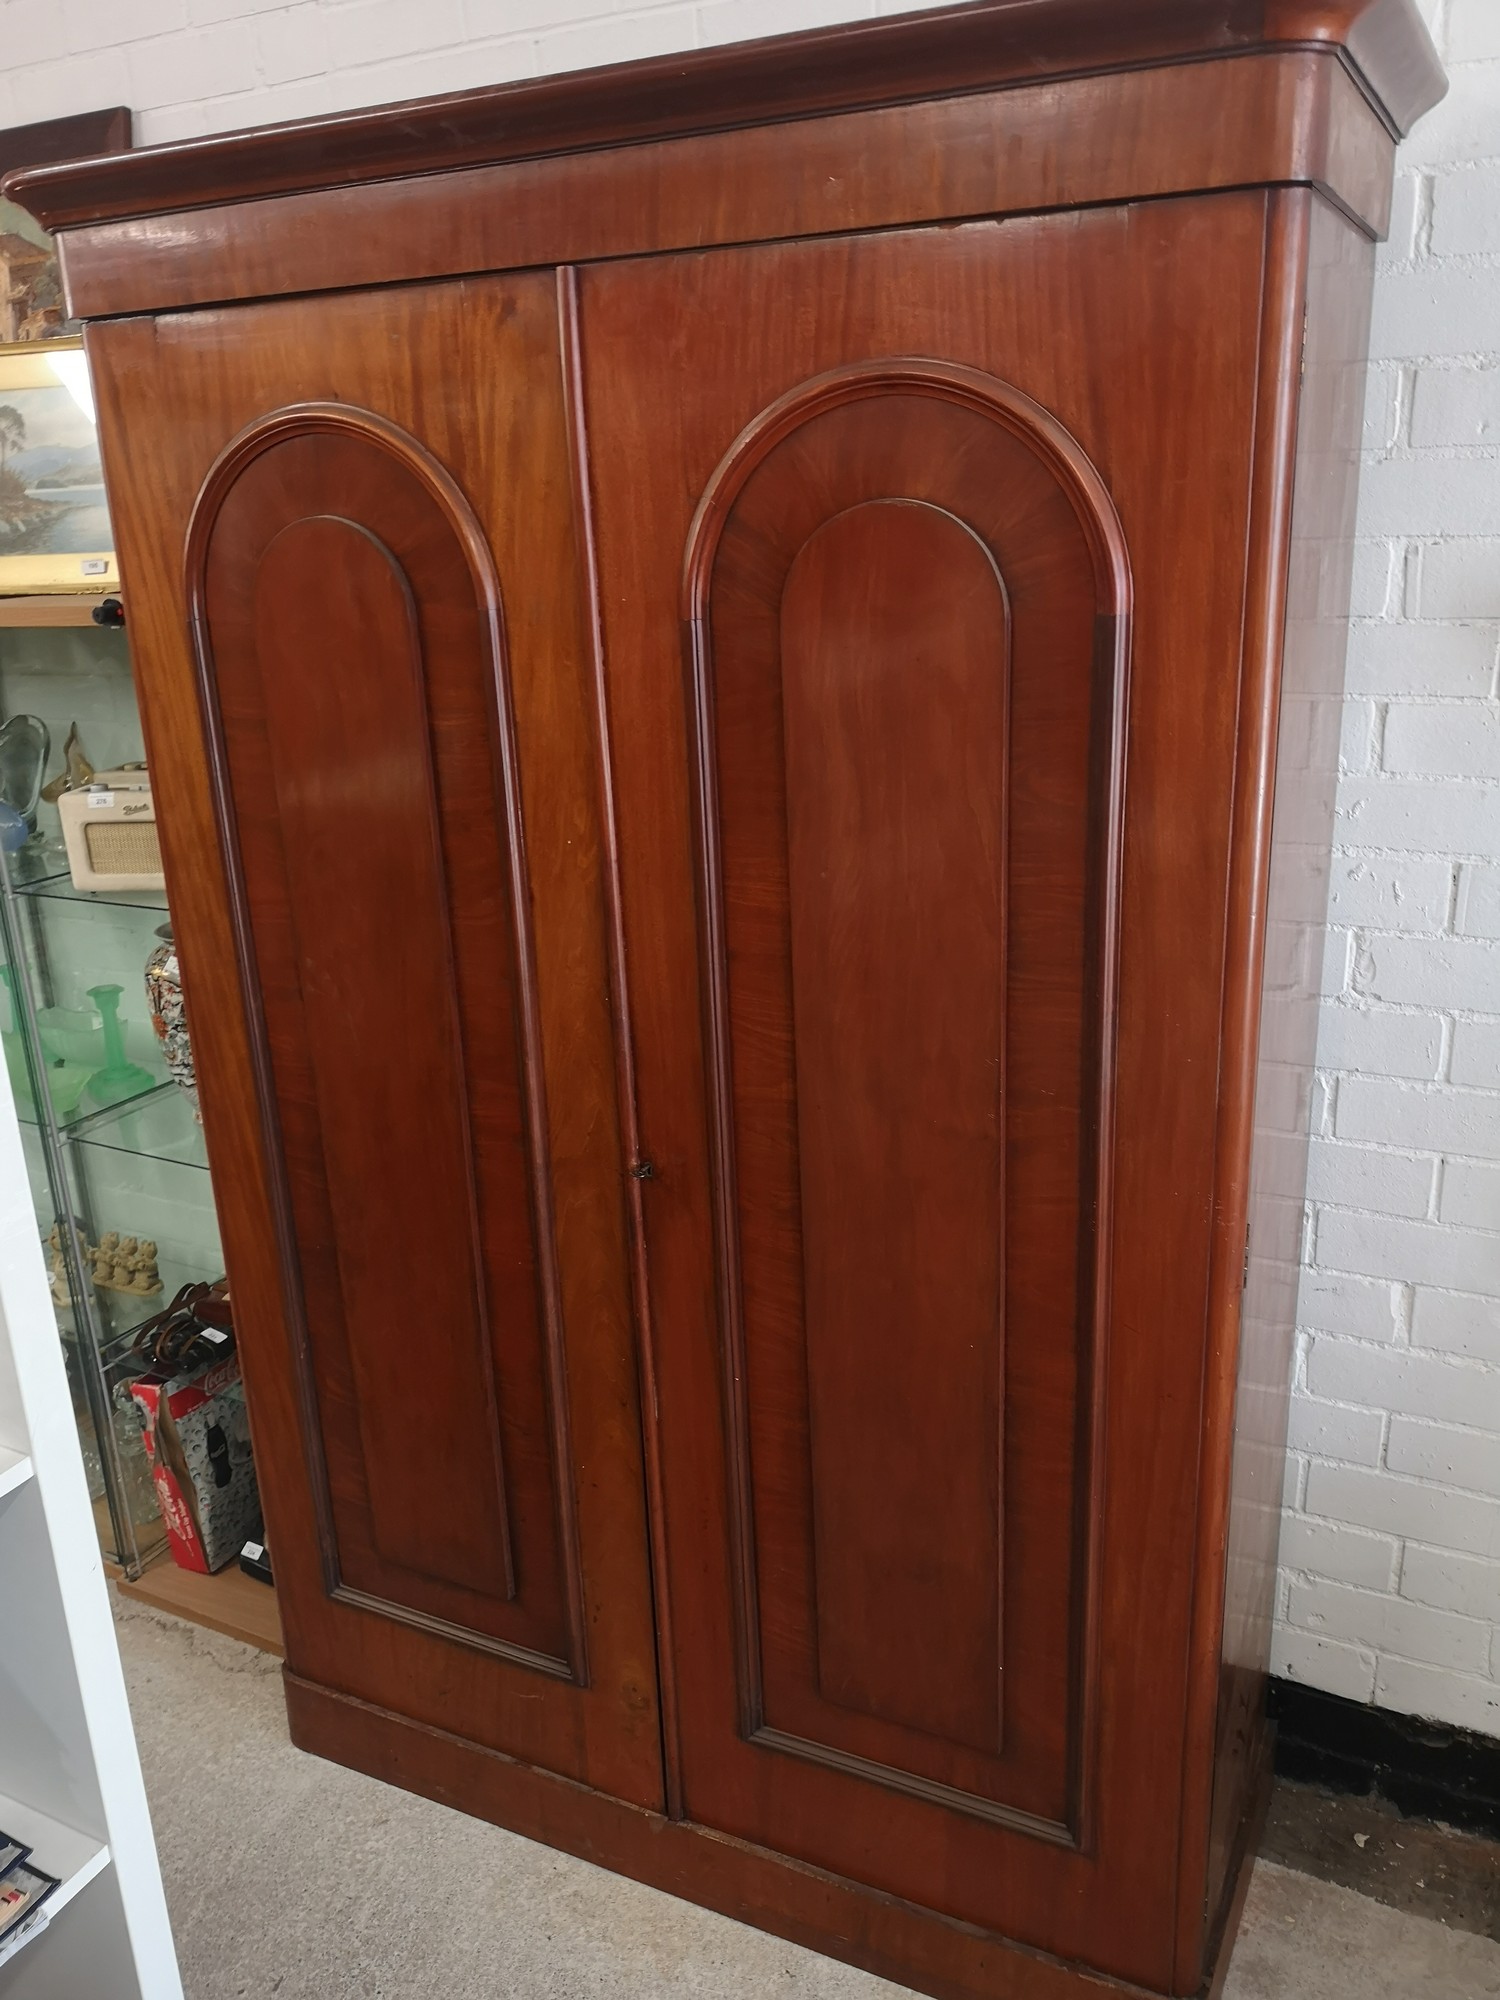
(123, 847)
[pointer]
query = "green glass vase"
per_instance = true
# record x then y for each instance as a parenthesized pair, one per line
(118, 1079)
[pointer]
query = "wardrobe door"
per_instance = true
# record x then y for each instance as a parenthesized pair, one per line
(377, 772)
(921, 728)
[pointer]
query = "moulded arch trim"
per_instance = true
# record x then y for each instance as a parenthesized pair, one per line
(1073, 472)
(971, 388)
(282, 426)
(306, 419)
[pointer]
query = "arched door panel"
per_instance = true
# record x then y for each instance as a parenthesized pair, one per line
(907, 597)
(361, 683)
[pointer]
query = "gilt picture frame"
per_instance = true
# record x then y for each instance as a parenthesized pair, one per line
(32, 306)
(55, 534)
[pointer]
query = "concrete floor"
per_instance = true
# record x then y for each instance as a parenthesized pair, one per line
(1415, 1865)
(290, 1877)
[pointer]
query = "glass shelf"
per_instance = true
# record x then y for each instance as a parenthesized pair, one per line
(158, 1126)
(41, 869)
(123, 1314)
(35, 864)
(85, 1115)
(60, 888)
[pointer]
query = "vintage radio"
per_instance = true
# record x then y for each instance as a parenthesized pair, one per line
(109, 829)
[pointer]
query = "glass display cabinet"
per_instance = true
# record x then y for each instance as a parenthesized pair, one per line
(119, 1175)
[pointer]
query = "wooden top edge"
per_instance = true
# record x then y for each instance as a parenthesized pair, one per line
(863, 64)
(50, 139)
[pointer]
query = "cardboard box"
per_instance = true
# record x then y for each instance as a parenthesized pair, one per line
(198, 1441)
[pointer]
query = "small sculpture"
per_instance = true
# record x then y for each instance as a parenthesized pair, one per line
(126, 1264)
(131, 1265)
(144, 1276)
(116, 1263)
(76, 771)
(59, 1286)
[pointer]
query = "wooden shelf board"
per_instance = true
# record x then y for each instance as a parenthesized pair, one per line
(15, 1469)
(74, 1857)
(230, 1602)
(32, 613)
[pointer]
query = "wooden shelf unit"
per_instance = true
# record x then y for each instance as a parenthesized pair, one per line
(15, 1469)
(74, 1857)
(229, 1602)
(47, 613)
(70, 1778)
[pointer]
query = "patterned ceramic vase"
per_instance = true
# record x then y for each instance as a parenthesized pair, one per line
(168, 1014)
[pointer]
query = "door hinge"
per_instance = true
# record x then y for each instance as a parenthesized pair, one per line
(643, 1170)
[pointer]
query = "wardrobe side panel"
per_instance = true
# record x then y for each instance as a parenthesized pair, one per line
(1340, 270)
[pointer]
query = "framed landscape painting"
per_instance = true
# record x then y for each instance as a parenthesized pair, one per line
(31, 295)
(54, 522)
(31, 300)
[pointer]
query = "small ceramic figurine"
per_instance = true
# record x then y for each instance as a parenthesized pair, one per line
(126, 1264)
(121, 1274)
(104, 1257)
(144, 1276)
(116, 1263)
(59, 1287)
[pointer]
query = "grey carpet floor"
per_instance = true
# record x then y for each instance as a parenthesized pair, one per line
(290, 1877)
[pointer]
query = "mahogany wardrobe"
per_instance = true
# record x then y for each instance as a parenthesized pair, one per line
(713, 637)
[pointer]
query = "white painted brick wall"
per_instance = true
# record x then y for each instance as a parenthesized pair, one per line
(1399, 1316)
(193, 66)
(1391, 1543)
